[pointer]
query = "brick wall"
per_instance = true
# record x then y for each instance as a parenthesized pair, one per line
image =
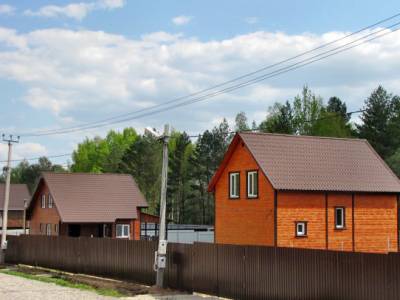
(43, 215)
(375, 222)
(308, 207)
(340, 239)
(244, 221)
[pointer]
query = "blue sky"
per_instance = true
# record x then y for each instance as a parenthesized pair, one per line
(64, 63)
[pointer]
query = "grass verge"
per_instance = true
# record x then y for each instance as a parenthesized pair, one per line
(63, 282)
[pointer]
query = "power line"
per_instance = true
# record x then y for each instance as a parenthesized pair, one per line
(241, 85)
(36, 158)
(190, 136)
(105, 122)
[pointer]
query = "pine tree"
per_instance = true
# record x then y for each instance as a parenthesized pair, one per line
(375, 121)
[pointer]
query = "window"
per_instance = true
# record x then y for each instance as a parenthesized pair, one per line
(48, 229)
(339, 218)
(234, 185)
(43, 201)
(301, 229)
(50, 202)
(56, 228)
(252, 184)
(122, 230)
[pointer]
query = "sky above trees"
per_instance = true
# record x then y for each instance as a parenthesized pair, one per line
(64, 63)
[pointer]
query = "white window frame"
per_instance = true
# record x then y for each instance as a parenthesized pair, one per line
(123, 235)
(48, 229)
(50, 202)
(252, 184)
(56, 228)
(43, 201)
(303, 232)
(342, 225)
(234, 185)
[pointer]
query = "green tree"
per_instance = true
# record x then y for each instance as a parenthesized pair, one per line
(30, 173)
(143, 160)
(241, 122)
(279, 119)
(376, 120)
(394, 162)
(307, 109)
(100, 155)
(335, 105)
(181, 150)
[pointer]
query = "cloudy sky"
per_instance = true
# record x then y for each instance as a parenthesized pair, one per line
(65, 63)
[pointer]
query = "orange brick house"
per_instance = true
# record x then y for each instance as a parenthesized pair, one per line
(306, 192)
(91, 205)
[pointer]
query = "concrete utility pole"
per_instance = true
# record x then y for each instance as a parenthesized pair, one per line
(161, 254)
(7, 169)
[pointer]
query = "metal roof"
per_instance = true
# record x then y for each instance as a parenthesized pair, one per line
(18, 193)
(91, 198)
(319, 163)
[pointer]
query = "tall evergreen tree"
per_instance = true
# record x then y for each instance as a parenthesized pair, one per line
(375, 121)
(335, 105)
(279, 119)
(143, 160)
(178, 178)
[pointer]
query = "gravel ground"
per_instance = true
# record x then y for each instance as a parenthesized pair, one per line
(17, 288)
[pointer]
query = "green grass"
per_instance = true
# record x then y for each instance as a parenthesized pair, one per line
(64, 282)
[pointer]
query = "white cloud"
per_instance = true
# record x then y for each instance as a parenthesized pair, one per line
(181, 20)
(6, 9)
(80, 76)
(251, 20)
(76, 11)
(22, 151)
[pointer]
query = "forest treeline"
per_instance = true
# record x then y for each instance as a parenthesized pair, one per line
(193, 161)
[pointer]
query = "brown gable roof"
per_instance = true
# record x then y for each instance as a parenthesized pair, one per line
(90, 198)
(318, 163)
(18, 193)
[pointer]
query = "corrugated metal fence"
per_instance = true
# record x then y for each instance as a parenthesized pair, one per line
(239, 272)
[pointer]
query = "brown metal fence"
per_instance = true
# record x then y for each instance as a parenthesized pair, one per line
(239, 272)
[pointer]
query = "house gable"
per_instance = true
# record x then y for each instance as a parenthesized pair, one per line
(243, 220)
(38, 215)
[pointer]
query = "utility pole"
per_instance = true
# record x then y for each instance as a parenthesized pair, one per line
(10, 140)
(161, 253)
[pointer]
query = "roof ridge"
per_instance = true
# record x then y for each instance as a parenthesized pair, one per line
(302, 136)
(84, 173)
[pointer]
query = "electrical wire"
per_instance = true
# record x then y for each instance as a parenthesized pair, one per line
(104, 122)
(189, 136)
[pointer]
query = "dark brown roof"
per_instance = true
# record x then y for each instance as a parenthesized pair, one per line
(85, 197)
(319, 163)
(18, 193)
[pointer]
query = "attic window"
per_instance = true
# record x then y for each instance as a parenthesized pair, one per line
(252, 184)
(43, 201)
(50, 202)
(234, 185)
